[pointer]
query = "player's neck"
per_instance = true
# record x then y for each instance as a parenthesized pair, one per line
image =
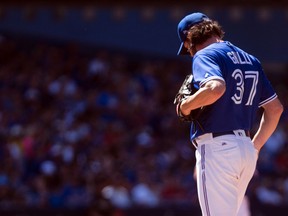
(211, 40)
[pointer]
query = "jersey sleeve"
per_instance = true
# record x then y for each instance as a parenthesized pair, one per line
(205, 68)
(267, 92)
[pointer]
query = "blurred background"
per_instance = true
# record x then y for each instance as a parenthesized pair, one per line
(87, 121)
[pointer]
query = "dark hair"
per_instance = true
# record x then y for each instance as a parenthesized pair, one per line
(201, 32)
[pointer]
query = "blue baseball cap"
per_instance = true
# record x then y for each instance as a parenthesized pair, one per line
(184, 25)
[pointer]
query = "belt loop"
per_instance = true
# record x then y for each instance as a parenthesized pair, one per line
(195, 143)
(247, 132)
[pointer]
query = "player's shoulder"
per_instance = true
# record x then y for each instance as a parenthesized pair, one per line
(240, 50)
(222, 48)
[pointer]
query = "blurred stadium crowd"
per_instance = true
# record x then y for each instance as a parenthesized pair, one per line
(81, 127)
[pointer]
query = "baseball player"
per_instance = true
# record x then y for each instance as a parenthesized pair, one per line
(232, 86)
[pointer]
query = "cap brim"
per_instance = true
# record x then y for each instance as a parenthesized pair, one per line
(182, 50)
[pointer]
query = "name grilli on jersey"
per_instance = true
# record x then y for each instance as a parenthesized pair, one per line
(247, 88)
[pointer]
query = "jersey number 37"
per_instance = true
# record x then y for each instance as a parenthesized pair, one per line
(240, 78)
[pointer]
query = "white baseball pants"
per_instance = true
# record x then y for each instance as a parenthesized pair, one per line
(224, 167)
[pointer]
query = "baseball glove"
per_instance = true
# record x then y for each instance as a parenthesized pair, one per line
(187, 89)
